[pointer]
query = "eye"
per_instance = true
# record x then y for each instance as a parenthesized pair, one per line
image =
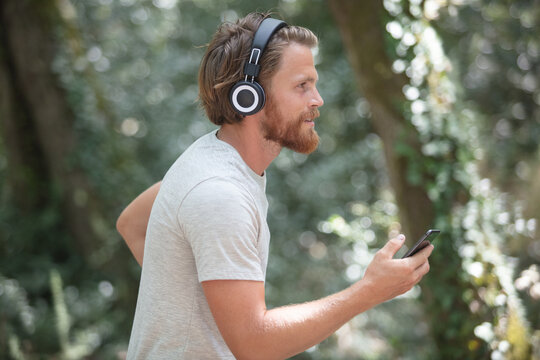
(302, 85)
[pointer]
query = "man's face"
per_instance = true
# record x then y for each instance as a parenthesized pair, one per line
(293, 101)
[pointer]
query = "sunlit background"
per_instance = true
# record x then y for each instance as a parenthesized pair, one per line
(461, 77)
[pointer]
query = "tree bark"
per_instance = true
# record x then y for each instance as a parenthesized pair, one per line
(361, 29)
(453, 322)
(37, 121)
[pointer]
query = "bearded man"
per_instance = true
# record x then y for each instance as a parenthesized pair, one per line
(202, 285)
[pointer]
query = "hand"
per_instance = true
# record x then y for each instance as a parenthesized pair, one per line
(387, 277)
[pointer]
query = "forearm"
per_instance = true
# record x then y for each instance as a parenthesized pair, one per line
(133, 221)
(253, 332)
(135, 239)
(285, 331)
(289, 330)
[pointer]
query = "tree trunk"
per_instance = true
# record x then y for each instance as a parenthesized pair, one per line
(361, 29)
(37, 121)
(453, 322)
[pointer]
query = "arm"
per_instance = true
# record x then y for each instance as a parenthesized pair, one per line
(133, 221)
(253, 332)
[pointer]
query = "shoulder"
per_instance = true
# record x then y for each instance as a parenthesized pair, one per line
(218, 194)
(218, 209)
(217, 189)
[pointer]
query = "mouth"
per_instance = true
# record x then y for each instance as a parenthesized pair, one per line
(311, 116)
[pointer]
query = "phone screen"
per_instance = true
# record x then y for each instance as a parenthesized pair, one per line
(424, 241)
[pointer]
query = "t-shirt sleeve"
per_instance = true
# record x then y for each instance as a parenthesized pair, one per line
(221, 224)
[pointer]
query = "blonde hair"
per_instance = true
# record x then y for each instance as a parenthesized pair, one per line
(223, 63)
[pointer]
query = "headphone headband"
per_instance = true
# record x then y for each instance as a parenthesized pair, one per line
(262, 36)
(248, 97)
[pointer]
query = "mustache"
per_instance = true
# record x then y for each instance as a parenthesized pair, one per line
(311, 114)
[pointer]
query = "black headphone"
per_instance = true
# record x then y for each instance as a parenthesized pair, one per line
(247, 96)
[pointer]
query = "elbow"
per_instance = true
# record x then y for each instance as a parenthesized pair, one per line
(122, 224)
(248, 354)
(241, 350)
(255, 354)
(253, 348)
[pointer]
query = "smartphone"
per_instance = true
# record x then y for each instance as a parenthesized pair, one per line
(424, 241)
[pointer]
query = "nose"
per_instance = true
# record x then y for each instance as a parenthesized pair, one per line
(317, 99)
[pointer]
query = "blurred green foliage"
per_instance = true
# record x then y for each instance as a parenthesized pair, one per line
(129, 70)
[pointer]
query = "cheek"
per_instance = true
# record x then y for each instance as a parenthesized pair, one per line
(291, 104)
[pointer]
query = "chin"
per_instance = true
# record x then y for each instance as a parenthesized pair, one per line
(307, 146)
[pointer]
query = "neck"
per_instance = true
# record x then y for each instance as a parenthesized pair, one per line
(246, 137)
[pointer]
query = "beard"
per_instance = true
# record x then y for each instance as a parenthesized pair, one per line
(293, 134)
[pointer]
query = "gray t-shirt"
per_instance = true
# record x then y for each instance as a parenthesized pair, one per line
(208, 222)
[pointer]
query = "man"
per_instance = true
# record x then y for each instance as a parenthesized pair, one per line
(205, 254)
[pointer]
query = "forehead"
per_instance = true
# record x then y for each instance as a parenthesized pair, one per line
(296, 63)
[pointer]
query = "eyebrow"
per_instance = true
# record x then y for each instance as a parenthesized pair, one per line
(302, 78)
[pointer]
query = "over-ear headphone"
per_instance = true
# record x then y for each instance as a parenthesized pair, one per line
(247, 96)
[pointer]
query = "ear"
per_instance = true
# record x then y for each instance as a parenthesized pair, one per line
(247, 98)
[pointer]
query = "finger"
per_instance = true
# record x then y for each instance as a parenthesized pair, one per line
(422, 270)
(426, 252)
(393, 245)
(420, 257)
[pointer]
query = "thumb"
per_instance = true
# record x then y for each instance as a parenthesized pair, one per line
(393, 245)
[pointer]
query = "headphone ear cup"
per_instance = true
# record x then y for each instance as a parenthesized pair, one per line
(247, 98)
